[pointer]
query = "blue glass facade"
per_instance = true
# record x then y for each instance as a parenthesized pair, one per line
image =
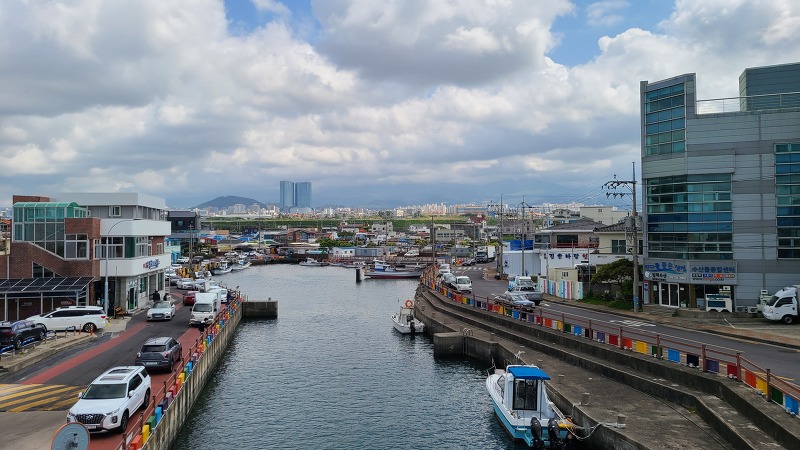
(787, 199)
(665, 120)
(690, 217)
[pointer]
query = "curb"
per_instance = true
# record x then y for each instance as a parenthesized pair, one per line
(37, 354)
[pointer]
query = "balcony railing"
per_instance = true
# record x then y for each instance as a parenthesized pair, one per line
(749, 103)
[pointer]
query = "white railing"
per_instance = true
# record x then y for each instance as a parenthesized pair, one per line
(749, 103)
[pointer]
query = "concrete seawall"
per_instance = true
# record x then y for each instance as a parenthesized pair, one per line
(167, 430)
(726, 407)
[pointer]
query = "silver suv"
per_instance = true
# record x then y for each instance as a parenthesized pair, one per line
(85, 318)
(111, 399)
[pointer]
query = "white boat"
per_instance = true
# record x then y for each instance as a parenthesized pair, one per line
(381, 269)
(220, 268)
(354, 265)
(405, 322)
(521, 404)
(311, 262)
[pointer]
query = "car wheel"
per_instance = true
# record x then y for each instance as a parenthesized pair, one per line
(41, 336)
(787, 319)
(89, 327)
(146, 401)
(17, 343)
(123, 423)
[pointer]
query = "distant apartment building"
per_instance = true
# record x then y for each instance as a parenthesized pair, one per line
(721, 188)
(295, 196)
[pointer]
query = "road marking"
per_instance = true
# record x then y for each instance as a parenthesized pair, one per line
(633, 323)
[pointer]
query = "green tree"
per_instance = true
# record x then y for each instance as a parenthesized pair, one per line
(616, 272)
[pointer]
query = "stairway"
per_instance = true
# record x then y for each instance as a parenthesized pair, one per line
(658, 310)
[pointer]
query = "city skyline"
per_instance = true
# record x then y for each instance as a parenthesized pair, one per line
(379, 104)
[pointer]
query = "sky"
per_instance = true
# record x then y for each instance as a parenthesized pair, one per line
(376, 103)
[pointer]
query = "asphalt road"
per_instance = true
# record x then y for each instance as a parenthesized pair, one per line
(782, 361)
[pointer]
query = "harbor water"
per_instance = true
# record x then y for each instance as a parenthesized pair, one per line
(332, 373)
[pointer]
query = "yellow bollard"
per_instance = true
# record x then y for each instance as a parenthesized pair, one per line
(145, 432)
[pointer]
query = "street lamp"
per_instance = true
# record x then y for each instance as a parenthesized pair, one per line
(108, 236)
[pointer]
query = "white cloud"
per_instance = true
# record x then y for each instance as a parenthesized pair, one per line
(401, 100)
(604, 13)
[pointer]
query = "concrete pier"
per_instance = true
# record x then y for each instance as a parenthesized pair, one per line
(260, 309)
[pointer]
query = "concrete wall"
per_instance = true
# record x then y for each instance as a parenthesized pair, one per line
(162, 435)
(260, 309)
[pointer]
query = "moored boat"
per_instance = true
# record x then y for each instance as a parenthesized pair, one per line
(311, 262)
(404, 320)
(380, 269)
(521, 404)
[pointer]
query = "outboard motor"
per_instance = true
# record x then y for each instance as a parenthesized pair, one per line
(536, 433)
(552, 433)
(413, 327)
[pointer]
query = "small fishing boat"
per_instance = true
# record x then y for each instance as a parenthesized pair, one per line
(381, 269)
(311, 262)
(521, 404)
(220, 268)
(354, 264)
(405, 322)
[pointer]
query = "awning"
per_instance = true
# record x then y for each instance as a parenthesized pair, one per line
(53, 286)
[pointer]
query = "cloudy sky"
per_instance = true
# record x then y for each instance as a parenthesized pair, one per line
(377, 103)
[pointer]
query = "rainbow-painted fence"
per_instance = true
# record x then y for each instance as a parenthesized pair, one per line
(704, 357)
(161, 400)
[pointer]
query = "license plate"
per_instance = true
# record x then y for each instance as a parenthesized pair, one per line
(149, 363)
(91, 427)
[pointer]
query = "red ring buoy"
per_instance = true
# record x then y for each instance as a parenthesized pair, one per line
(409, 303)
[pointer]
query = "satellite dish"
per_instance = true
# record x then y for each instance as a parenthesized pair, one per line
(71, 436)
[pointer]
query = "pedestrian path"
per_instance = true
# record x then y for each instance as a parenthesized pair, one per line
(37, 397)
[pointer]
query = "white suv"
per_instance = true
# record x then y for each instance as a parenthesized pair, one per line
(85, 318)
(112, 398)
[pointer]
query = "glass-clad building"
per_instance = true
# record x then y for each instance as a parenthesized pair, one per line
(721, 186)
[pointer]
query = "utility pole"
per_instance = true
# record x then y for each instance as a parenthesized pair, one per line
(634, 228)
(523, 205)
(501, 212)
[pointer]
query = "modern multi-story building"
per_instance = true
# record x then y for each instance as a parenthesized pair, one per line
(295, 196)
(721, 185)
(82, 249)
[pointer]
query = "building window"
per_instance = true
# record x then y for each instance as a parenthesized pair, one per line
(76, 246)
(142, 246)
(159, 249)
(114, 211)
(787, 199)
(114, 247)
(619, 246)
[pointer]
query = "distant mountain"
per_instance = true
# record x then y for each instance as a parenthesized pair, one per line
(228, 200)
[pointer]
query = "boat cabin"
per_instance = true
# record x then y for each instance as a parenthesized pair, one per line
(522, 389)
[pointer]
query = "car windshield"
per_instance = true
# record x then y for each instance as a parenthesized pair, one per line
(202, 307)
(162, 305)
(105, 391)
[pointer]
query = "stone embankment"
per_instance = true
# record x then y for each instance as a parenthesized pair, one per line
(663, 405)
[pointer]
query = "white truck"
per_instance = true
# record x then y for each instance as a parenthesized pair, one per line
(205, 308)
(783, 305)
(485, 253)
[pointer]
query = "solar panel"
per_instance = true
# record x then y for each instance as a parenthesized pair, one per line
(66, 285)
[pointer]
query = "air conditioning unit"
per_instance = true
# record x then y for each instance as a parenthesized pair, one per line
(752, 309)
(724, 288)
(742, 309)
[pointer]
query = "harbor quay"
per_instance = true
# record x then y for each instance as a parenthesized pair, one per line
(618, 398)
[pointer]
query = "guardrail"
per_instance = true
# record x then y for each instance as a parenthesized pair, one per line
(148, 420)
(708, 358)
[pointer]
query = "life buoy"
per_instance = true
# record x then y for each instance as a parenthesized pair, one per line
(409, 303)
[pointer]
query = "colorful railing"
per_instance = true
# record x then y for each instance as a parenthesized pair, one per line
(149, 419)
(693, 354)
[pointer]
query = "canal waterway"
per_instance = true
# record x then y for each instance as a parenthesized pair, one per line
(332, 373)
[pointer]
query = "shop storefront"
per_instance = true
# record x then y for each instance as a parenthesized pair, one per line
(705, 285)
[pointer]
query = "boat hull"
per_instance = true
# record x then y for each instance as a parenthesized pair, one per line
(392, 274)
(405, 328)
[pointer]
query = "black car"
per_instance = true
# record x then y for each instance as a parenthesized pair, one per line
(159, 353)
(20, 333)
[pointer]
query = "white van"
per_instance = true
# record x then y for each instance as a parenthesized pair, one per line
(444, 268)
(463, 284)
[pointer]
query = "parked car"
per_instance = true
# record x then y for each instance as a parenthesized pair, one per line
(111, 399)
(161, 310)
(444, 268)
(449, 280)
(175, 279)
(463, 284)
(85, 318)
(159, 353)
(19, 333)
(515, 299)
(183, 260)
(186, 283)
(189, 298)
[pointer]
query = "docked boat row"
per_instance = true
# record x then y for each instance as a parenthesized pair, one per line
(378, 269)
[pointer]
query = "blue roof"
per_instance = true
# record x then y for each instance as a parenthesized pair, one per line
(528, 373)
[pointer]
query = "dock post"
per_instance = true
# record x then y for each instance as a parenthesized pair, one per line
(358, 274)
